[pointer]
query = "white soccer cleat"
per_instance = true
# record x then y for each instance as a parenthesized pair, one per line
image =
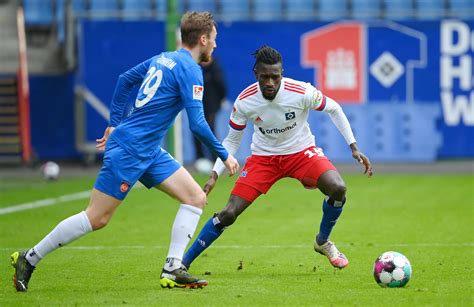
(336, 258)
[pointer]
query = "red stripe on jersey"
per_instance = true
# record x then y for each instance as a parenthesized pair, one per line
(294, 85)
(247, 90)
(235, 126)
(323, 104)
(294, 90)
(248, 94)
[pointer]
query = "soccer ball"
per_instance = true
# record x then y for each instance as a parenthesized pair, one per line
(50, 170)
(392, 270)
(203, 166)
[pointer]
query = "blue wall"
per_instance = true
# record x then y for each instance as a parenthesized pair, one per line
(404, 85)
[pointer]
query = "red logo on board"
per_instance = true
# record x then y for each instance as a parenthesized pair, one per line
(337, 53)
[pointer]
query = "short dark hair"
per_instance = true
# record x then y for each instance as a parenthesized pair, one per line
(267, 55)
(195, 24)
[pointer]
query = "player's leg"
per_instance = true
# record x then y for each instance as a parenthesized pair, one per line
(167, 175)
(108, 193)
(96, 216)
(314, 170)
(332, 185)
(215, 226)
(257, 177)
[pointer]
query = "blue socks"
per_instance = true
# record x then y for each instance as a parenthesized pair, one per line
(209, 233)
(332, 209)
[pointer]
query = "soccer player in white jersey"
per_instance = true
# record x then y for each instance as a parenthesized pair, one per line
(170, 82)
(282, 146)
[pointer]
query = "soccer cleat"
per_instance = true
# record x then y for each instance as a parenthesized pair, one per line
(23, 271)
(336, 258)
(180, 278)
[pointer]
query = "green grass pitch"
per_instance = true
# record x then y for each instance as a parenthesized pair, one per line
(265, 258)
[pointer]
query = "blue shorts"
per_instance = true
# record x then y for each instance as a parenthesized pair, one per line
(120, 170)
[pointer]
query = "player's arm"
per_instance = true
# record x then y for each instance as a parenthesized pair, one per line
(123, 88)
(323, 103)
(237, 124)
(192, 93)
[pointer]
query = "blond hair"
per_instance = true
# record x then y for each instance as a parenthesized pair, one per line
(195, 24)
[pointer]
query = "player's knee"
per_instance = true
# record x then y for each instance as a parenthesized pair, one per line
(99, 222)
(338, 191)
(227, 217)
(198, 200)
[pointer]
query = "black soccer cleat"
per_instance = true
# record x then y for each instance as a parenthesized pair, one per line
(22, 271)
(180, 278)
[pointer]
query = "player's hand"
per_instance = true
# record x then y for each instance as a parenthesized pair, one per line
(211, 182)
(362, 159)
(100, 143)
(231, 164)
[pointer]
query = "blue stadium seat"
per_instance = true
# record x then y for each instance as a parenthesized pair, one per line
(366, 9)
(399, 9)
(235, 10)
(133, 9)
(104, 8)
(79, 7)
(267, 10)
(429, 9)
(202, 5)
(38, 12)
(300, 10)
(461, 8)
(161, 8)
(332, 9)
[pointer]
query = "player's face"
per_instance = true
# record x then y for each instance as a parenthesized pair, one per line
(269, 78)
(209, 45)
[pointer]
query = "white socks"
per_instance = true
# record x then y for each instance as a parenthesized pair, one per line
(65, 232)
(183, 230)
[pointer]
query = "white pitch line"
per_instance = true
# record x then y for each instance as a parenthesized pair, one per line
(45, 202)
(257, 247)
(53, 201)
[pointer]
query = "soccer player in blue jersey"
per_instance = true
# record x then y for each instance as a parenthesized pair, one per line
(170, 82)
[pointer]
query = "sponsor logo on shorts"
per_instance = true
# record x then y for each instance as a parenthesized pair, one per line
(124, 187)
(244, 173)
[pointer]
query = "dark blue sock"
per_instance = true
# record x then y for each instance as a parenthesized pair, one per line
(331, 212)
(209, 233)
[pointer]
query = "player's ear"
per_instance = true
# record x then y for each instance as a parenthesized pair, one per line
(203, 39)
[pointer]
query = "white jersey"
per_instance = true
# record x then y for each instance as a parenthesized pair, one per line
(280, 125)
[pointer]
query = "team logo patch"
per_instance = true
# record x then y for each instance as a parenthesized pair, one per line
(244, 173)
(198, 91)
(258, 120)
(290, 115)
(124, 187)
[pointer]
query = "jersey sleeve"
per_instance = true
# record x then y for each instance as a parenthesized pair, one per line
(338, 117)
(238, 120)
(191, 87)
(232, 144)
(314, 98)
(200, 128)
(124, 87)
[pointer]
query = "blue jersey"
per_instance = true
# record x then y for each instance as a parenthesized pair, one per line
(169, 82)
